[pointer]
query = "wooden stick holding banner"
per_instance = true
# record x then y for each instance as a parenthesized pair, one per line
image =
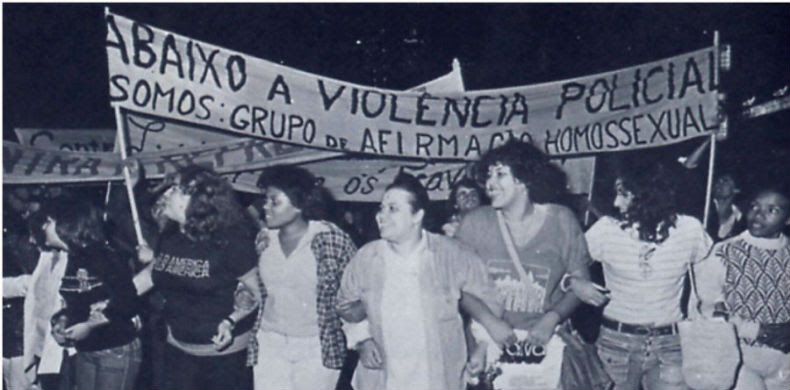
(121, 140)
(590, 195)
(712, 158)
(109, 183)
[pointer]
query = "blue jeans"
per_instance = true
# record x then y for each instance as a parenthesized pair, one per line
(112, 368)
(651, 360)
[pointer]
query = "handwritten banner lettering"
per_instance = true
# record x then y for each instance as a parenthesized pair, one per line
(157, 72)
(77, 140)
(239, 160)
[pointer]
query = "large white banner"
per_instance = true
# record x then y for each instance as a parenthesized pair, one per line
(164, 146)
(158, 72)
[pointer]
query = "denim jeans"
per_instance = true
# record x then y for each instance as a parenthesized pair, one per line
(650, 360)
(108, 369)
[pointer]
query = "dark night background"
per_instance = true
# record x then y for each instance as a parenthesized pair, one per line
(55, 67)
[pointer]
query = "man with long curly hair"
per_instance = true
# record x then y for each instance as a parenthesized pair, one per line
(645, 252)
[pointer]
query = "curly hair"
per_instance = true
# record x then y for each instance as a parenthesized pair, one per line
(212, 207)
(545, 181)
(653, 207)
(301, 187)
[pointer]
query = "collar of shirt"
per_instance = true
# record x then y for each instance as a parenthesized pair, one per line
(765, 243)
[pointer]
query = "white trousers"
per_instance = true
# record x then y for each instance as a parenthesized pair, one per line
(763, 369)
(14, 375)
(291, 363)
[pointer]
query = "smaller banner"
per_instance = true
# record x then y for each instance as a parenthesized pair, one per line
(238, 160)
(25, 165)
(72, 140)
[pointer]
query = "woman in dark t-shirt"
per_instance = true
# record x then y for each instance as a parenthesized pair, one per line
(197, 265)
(108, 351)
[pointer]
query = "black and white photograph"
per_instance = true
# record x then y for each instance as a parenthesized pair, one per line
(396, 196)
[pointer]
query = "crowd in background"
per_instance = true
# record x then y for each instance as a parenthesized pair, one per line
(290, 290)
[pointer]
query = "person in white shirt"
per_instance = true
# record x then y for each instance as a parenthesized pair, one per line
(42, 357)
(645, 253)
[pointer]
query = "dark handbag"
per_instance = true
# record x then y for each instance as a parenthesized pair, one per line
(582, 369)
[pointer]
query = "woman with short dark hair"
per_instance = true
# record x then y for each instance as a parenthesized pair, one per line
(298, 341)
(108, 350)
(197, 265)
(408, 285)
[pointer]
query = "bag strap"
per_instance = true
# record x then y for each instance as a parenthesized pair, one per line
(511, 247)
(693, 282)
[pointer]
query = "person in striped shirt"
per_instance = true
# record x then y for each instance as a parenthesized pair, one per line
(645, 252)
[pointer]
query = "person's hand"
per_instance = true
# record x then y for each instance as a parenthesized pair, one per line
(224, 335)
(501, 332)
(541, 330)
(776, 336)
(144, 253)
(133, 165)
(78, 332)
(589, 292)
(450, 228)
(58, 333)
(352, 311)
(370, 355)
(261, 241)
(97, 312)
(477, 360)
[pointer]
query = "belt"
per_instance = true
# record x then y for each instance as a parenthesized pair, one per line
(642, 330)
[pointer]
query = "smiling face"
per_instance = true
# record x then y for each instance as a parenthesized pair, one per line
(503, 188)
(396, 219)
(278, 209)
(768, 214)
(467, 199)
(623, 198)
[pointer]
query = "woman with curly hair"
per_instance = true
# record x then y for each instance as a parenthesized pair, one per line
(547, 238)
(298, 342)
(197, 265)
(645, 252)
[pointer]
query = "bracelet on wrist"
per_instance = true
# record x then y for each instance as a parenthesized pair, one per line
(232, 322)
(565, 282)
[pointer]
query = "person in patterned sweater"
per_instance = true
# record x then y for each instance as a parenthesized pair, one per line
(749, 275)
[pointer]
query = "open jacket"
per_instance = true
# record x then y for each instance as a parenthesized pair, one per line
(333, 249)
(448, 269)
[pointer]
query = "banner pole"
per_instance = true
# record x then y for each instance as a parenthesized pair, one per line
(120, 140)
(109, 183)
(712, 157)
(590, 193)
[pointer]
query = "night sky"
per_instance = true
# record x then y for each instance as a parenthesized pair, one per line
(55, 66)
